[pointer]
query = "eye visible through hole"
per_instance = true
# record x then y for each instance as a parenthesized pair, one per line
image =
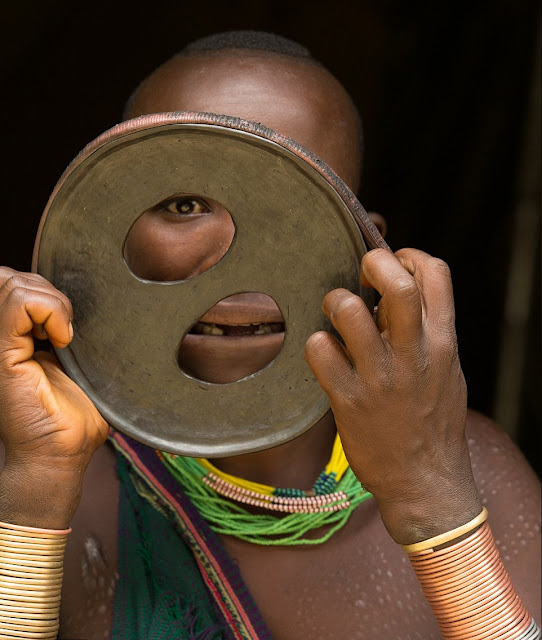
(236, 338)
(178, 238)
(185, 206)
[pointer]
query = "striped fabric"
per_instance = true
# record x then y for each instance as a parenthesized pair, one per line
(219, 573)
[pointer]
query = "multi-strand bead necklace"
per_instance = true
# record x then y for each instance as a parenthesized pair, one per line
(220, 497)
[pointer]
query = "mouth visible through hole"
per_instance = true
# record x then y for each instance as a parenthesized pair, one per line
(241, 335)
(252, 329)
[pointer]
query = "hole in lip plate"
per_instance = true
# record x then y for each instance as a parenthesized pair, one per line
(241, 335)
(178, 238)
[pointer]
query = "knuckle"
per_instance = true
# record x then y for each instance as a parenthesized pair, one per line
(440, 266)
(345, 395)
(11, 279)
(6, 273)
(16, 281)
(382, 380)
(348, 308)
(372, 255)
(316, 344)
(443, 337)
(404, 287)
(17, 295)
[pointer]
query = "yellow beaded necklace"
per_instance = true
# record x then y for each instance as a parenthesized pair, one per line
(219, 496)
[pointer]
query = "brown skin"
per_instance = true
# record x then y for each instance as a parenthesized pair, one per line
(397, 381)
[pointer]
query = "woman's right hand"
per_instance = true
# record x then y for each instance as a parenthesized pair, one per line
(49, 427)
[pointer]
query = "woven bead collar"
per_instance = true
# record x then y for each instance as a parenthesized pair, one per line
(220, 497)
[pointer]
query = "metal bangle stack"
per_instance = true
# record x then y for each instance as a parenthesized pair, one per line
(31, 570)
(469, 589)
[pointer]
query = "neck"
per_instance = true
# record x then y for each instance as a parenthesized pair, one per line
(294, 464)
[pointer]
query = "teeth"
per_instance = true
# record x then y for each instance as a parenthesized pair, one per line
(262, 329)
(211, 330)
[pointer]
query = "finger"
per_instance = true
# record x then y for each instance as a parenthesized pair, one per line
(22, 310)
(401, 299)
(327, 360)
(435, 284)
(11, 279)
(38, 331)
(31, 282)
(355, 323)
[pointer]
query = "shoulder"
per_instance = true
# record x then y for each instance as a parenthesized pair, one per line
(511, 491)
(497, 462)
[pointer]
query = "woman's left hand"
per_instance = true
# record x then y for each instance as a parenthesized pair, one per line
(398, 393)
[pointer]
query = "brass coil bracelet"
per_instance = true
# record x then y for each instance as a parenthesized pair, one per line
(31, 570)
(468, 587)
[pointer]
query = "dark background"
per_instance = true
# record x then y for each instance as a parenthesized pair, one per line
(450, 98)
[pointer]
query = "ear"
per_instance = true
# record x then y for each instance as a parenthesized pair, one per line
(379, 222)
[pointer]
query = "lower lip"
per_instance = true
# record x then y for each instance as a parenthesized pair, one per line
(225, 359)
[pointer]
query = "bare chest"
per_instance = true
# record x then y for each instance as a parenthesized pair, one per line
(358, 585)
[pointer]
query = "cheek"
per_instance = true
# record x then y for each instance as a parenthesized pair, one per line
(162, 250)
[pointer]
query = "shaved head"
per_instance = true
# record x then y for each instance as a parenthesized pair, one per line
(266, 79)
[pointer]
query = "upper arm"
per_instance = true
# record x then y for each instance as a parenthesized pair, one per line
(510, 489)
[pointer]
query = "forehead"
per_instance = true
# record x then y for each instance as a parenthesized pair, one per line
(299, 100)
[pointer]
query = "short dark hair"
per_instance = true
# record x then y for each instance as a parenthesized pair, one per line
(246, 40)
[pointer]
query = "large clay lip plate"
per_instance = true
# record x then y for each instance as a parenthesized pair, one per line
(278, 194)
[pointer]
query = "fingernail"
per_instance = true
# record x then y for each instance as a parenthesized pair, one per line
(70, 329)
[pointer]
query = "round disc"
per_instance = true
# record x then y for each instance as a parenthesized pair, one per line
(297, 237)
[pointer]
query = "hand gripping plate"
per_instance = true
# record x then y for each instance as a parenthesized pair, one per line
(300, 232)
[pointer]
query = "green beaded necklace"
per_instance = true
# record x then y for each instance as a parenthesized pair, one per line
(219, 497)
